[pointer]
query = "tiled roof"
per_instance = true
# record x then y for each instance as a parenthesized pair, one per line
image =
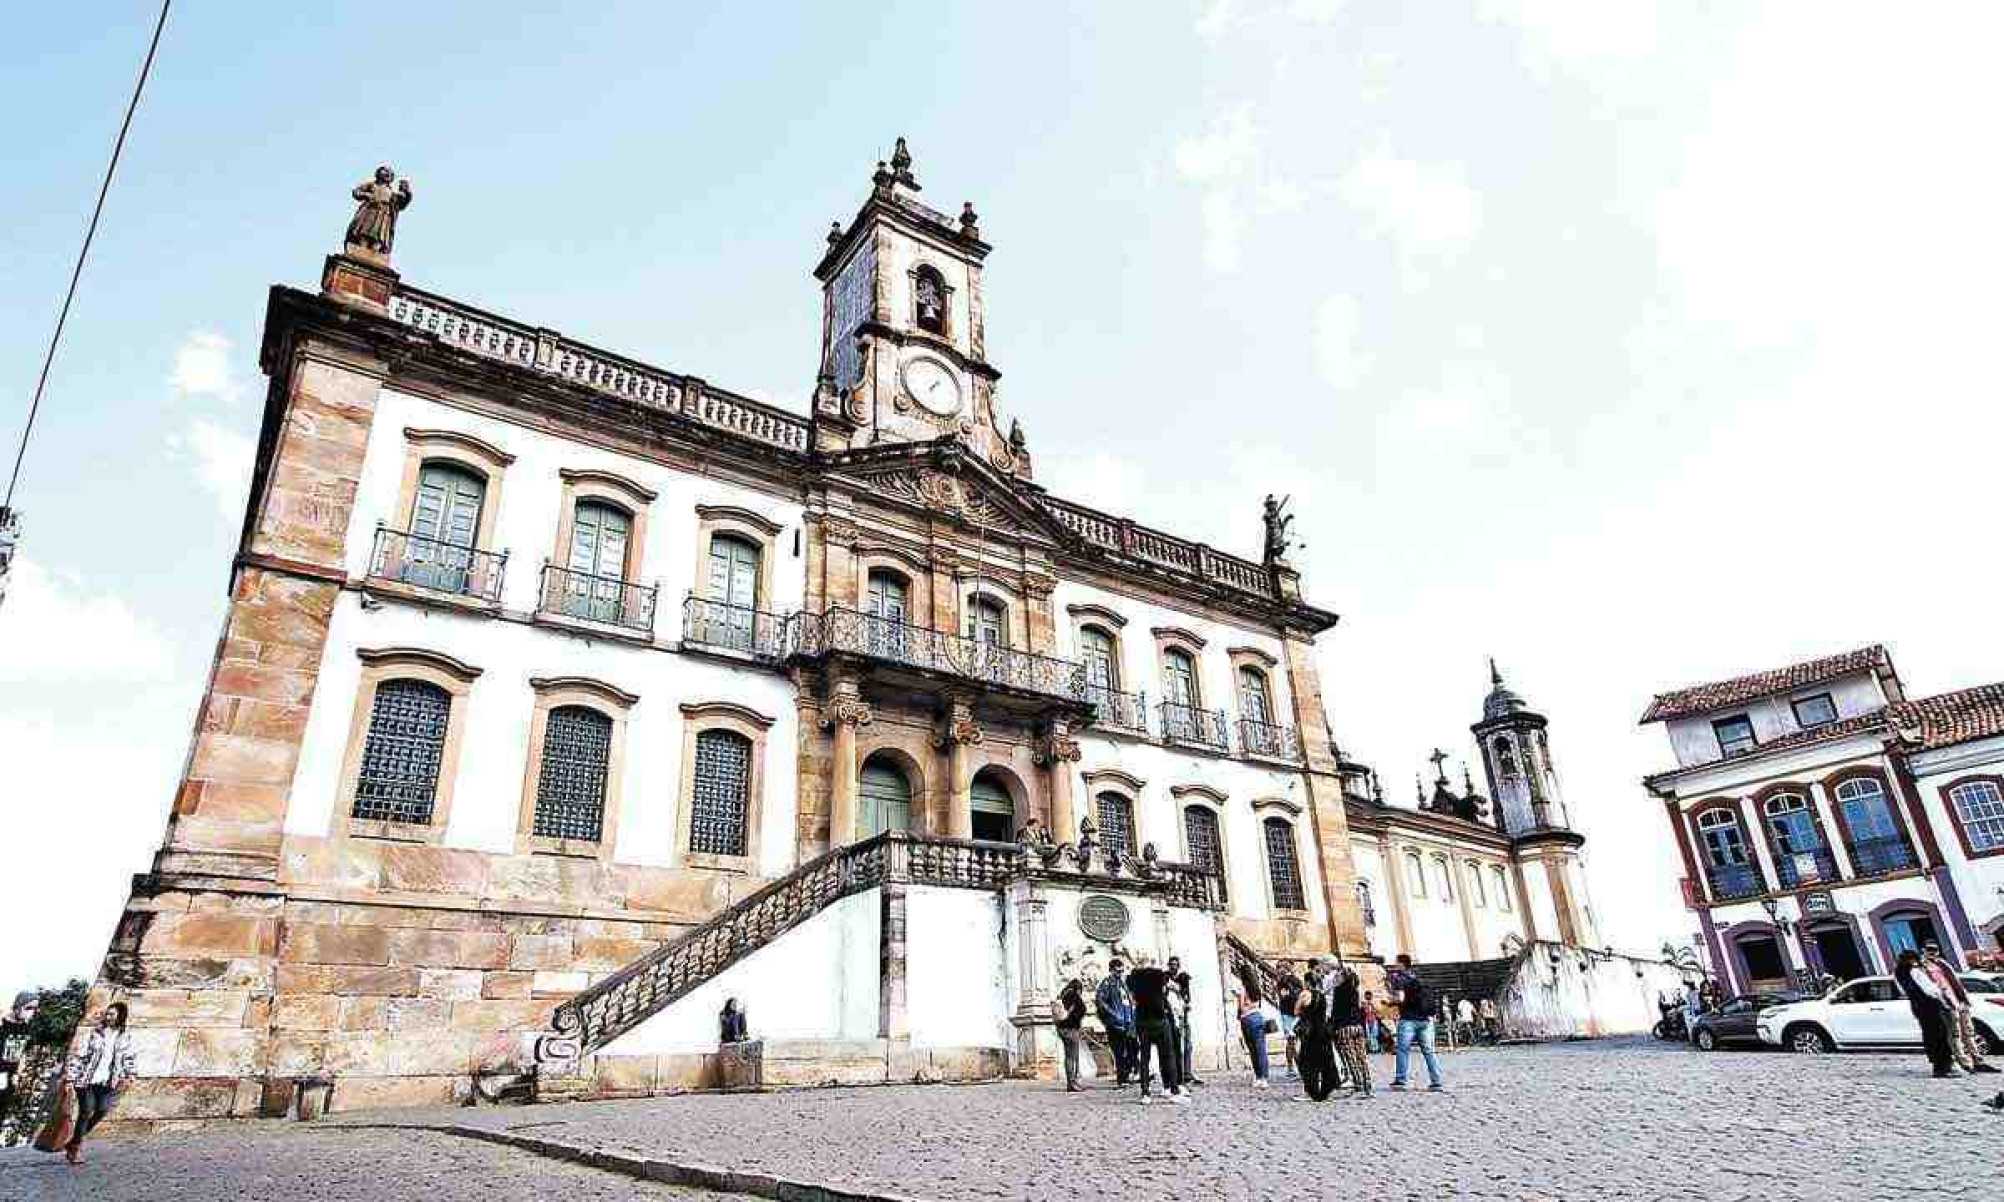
(1950, 718)
(1698, 699)
(1874, 720)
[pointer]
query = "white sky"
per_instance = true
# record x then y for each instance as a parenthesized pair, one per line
(1632, 344)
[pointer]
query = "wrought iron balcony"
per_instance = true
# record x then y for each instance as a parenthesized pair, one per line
(856, 633)
(589, 597)
(1269, 740)
(1189, 725)
(1733, 881)
(1115, 710)
(436, 565)
(1876, 857)
(737, 628)
(1805, 867)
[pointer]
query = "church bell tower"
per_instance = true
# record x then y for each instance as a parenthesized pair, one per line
(903, 355)
(1531, 811)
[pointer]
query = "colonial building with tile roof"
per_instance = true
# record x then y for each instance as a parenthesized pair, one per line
(561, 696)
(1825, 821)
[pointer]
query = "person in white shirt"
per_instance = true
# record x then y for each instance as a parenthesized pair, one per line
(97, 1071)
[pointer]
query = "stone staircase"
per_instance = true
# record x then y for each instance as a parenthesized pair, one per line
(603, 1012)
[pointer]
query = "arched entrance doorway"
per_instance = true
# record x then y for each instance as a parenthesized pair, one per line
(883, 797)
(994, 810)
(1838, 951)
(1761, 958)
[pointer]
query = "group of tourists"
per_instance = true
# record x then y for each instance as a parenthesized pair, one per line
(1941, 1005)
(1145, 1012)
(1328, 1021)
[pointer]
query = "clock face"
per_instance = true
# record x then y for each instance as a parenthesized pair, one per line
(933, 386)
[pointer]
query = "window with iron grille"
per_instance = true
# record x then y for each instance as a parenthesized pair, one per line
(398, 780)
(1116, 822)
(570, 789)
(1200, 833)
(723, 794)
(1283, 866)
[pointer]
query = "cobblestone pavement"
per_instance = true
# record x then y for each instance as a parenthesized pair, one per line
(275, 1163)
(1606, 1120)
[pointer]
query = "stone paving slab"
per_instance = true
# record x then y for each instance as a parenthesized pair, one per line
(1587, 1121)
(297, 1163)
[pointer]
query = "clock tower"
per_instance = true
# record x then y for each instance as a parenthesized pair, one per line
(902, 349)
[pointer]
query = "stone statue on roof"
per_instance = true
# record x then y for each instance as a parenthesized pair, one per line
(1278, 523)
(378, 201)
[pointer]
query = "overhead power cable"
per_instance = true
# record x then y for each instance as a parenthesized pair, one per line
(9, 520)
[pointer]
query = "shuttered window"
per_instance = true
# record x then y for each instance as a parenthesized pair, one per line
(994, 812)
(886, 798)
(723, 794)
(570, 787)
(401, 755)
(1283, 865)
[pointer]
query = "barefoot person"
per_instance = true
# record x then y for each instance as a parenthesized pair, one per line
(97, 1071)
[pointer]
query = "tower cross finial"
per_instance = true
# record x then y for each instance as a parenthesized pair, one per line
(1495, 676)
(1439, 759)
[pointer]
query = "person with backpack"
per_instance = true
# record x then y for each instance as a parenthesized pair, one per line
(1115, 1006)
(1416, 1006)
(1287, 992)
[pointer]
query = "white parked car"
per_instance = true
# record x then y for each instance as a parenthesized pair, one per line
(1871, 1012)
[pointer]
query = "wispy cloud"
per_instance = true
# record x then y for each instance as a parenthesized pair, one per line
(1426, 209)
(58, 629)
(221, 459)
(205, 367)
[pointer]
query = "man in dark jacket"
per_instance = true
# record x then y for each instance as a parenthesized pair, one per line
(1155, 1030)
(1115, 1006)
(1415, 1002)
(1930, 1010)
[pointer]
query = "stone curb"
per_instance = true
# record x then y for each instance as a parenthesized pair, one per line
(697, 1176)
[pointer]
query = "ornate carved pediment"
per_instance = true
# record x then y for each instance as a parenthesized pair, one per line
(944, 479)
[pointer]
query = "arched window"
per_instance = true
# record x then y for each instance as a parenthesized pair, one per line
(398, 780)
(1877, 843)
(994, 810)
(1799, 854)
(1200, 837)
(1506, 758)
(1476, 895)
(733, 572)
(1501, 889)
(1102, 664)
(1179, 678)
(1415, 874)
(1979, 812)
(1365, 904)
(1255, 700)
(1283, 865)
(570, 788)
(444, 527)
(886, 603)
(1726, 860)
(1443, 879)
(929, 300)
(595, 576)
(988, 621)
(884, 795)
(1116, 822)
(717, 819)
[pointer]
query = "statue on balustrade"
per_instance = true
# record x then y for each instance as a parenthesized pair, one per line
(1278, 523)
(377, 203)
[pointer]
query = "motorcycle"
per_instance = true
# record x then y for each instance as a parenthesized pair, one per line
(1672, 1027)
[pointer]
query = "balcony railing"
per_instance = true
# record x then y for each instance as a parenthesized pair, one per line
(1269, 739)
(1115, 710)
(589, 597)
(1730, 881)
(1195, 727)
(738, 628)
(1876, 857)
(438, 566)
(1805, 867)
(857, 633)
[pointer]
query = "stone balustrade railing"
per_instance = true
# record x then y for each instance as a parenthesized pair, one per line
(601, 1013)
(1125, 538)
(550, 353)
